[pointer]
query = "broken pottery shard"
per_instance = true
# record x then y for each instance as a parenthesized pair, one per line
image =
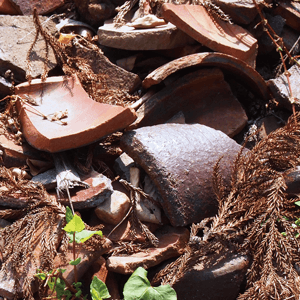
(7, 8)
(179, 158)
(95, 12)
(124, 232)
(14, 50)
(239, 11)
(114, 208)
(128, 38)
(122, 166)
(115, 78)
(218, 282)
(10, 286)
(290, 11)
(172, 242)
(203, 96)
(16, 155)
(99, 190)
(43, 7)
(211, 31)
(241, 70)
(86, 120)
(47, 179)
(280, 87)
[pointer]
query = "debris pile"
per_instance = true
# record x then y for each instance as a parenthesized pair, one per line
(170, 129)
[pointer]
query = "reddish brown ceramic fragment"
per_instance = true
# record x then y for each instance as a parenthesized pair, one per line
(290, 10)
(128, 38)
(279, 87)
(87, 120)
(218, 281)
(241, 70)
(179, 159)
(172, 242)
(203, 96)
(99, 190)
(16, 155)
(43, 6)
(212, 32)
(6, 7)
(239, 11)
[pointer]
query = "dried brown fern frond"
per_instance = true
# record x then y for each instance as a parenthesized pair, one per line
(256, 218)
(32, 240)
(28, 244)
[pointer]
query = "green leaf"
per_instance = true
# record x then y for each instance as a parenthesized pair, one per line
(51, 283)
(297, 203)
(84, 235)
(98, 289)
(75, 262)
(297, 235)
(69, 214)
(138, 288)
(61, 270)
(163, 292)
(137, 285)
(77, 286)
(41, 276)
(60, 288)
(75, 225)
(283, 233)
(297, 222)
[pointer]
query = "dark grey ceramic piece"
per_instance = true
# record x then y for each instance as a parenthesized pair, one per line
(179, 158)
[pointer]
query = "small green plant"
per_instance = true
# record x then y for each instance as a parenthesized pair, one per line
(138, 288)
(77, 233)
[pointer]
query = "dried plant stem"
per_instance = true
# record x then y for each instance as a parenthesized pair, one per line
(280, 47)
(74, 258)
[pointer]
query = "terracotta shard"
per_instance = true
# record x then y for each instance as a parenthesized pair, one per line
(16, 155)
(43, 7)
(240, 11)
(224, 279)
(16, 37)
(280, 88)
(128, 38)
(290, 10)
(87, 120)
(6, 7)
(179, 159)
(172, 242)
(100, 189)
(241, 70)
(212, 32)
(203, 96)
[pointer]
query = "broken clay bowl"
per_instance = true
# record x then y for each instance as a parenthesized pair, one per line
(86, 121)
